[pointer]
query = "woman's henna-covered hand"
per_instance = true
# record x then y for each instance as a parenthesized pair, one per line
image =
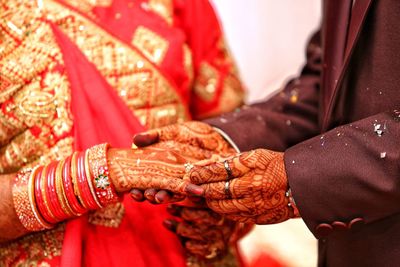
(149, 168)
(256, 191)
(204, 233)
(194, 140)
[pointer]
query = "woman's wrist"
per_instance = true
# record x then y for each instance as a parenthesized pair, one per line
(46, 195)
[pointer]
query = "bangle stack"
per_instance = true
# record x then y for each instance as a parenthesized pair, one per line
(46, 195)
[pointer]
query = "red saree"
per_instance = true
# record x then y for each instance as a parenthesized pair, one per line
(140, 240)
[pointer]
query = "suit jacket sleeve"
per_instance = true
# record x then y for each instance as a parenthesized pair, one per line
(287, 118)
(351, 171)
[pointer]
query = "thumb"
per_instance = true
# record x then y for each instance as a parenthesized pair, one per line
(146, 138)
(194, 190)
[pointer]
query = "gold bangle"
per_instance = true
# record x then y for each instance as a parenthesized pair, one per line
(74, 176)
(62, 197)
(96, 163)
(43, 188)
(90, 179)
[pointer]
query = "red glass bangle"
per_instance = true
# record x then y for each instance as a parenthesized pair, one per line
(62, 198)
(45, 198)
(32, 199)
(83, 183)
(52, 193)
(39, 199)
(69, 189)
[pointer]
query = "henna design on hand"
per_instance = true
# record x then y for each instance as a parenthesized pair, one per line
(148, 168)
(257, 190)
(203, 232)
(196, 139)
(193, 140)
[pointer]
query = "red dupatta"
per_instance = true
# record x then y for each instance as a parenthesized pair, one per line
(101, 116)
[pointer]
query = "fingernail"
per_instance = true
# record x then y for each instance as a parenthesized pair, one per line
(145, 139)
(137, 195)
(194, 190)
(149, 197)
(162, 197)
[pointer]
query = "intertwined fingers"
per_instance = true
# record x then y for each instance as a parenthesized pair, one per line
(229, 189)
(222, 170)
(174, 185)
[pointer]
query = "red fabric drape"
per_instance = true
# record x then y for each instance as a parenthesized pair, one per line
(101, 116)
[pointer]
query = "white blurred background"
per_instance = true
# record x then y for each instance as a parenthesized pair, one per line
(267, 39)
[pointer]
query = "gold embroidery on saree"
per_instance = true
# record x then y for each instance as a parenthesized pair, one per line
(206, 82)
(136, 80)
(32, 249)
(151, 44)
(110, 216)
(164, 8)
(232, 94)
(188, 62)
(86, 6)
(34, 114)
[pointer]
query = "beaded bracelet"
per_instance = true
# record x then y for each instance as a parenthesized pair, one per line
(96, 163)
(24, 202)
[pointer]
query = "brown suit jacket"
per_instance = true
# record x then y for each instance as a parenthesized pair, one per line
(340, 130)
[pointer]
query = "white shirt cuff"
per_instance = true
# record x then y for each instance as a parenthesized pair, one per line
(227, 138)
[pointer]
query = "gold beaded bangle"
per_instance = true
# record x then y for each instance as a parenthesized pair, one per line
(90, 179)
(74, 176)
(62, 198)
(44, 193)
(24, 204)
(96, 163)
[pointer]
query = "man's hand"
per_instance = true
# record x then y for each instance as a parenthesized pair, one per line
(193, 140)
(249, 187)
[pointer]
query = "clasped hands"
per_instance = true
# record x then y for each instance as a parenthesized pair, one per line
(192, 159)
(248, 187)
